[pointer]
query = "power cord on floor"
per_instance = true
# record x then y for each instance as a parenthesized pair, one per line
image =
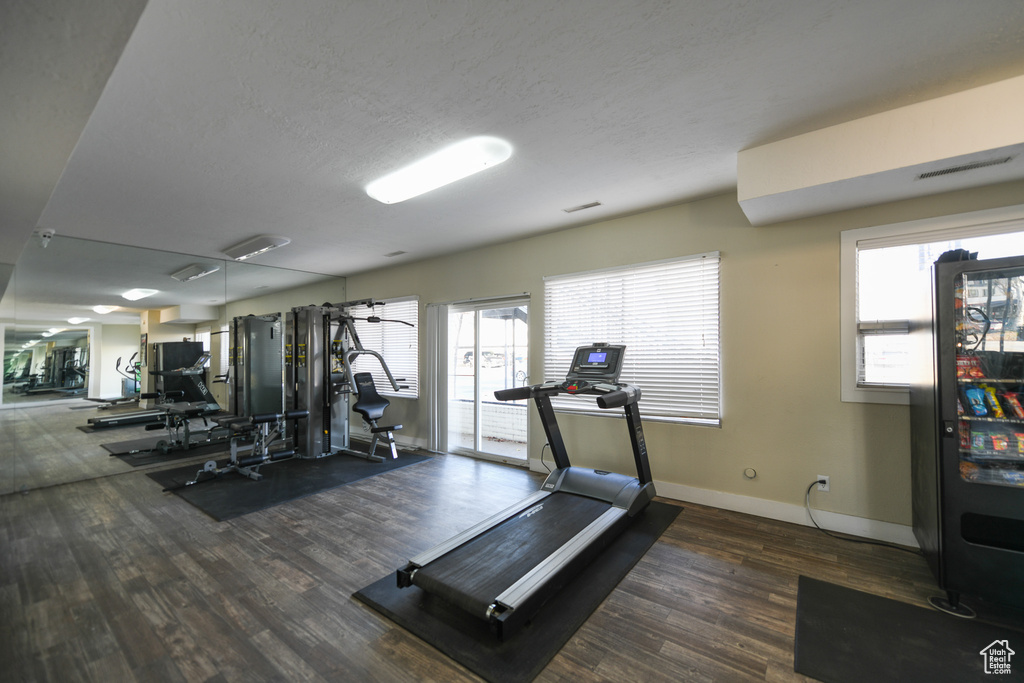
(807, 505)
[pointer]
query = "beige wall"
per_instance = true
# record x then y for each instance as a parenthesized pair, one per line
(782, 412)
(310, 295)
(118, 341)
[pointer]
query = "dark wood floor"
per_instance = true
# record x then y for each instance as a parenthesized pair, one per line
(109, 579)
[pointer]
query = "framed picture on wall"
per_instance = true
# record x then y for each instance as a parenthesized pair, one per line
(143, 361)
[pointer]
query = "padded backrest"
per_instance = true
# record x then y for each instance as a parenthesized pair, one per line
(370, 404)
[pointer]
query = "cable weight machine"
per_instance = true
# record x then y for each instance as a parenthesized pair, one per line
(314, 349)
(321, 343)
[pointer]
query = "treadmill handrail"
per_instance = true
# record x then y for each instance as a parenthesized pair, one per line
(529, 583)
(197, 367)
(608, 395)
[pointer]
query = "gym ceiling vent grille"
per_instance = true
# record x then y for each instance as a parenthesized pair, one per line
(964, 167)
(574, 209)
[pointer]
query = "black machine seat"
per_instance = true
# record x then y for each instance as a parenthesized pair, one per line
(371, 406)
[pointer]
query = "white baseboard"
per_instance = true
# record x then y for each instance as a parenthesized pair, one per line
(786, 512)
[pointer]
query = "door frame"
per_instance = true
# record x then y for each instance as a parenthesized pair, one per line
(437, 373)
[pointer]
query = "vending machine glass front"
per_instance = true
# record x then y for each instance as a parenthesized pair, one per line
(990, 376)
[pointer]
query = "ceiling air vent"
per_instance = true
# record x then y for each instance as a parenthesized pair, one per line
(581, 207)
(964, 167)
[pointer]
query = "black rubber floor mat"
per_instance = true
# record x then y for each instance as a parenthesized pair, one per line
(145, 451)
(848, 636)
(233, 495)
(469, 641)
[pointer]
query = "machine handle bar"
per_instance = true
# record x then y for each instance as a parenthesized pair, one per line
(264, 418)
(513, 394)
(617, 399)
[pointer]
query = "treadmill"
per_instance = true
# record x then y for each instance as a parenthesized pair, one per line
(506, 567)
(185, 382)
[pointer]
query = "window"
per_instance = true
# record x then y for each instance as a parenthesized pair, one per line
(666, 313)
(886, 273)
(224, 348)
(203, 335)
(396, 341)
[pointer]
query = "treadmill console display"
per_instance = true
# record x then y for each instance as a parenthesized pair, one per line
(597, 363)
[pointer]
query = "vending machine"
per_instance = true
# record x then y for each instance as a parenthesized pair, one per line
(967, 429)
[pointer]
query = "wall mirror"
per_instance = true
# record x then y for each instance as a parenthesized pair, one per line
(70, 336)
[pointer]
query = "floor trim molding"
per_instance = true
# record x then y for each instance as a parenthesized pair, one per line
(786, 512)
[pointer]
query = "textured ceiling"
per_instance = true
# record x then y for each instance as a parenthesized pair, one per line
(223, 120)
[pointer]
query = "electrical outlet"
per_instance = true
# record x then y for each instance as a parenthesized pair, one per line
(823, 486)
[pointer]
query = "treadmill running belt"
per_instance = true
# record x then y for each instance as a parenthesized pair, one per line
(474, 574)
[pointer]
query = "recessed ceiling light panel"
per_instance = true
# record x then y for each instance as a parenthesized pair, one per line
(103, 310)
(452, 163)
(195, 271)
(77, 321)
(581, 207)
(255, 246)
(136, 294)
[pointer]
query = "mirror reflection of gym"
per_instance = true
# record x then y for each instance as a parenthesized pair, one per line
(110, 344)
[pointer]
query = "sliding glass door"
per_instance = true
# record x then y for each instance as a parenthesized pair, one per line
(487, 350)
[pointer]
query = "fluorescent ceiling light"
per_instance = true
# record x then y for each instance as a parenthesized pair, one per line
(52, 331)
(255, 246)
(103, 310)
(194, 272)
(136, 294)
(77, 321)
(446, 166)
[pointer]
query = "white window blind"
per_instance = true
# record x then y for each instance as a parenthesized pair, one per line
(398, 343)
(225, 344)
(667, 315)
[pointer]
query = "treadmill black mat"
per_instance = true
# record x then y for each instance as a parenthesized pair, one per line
(468, 640)
(91, 427)
(848, 636)
(469, 577)
(233, 495)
